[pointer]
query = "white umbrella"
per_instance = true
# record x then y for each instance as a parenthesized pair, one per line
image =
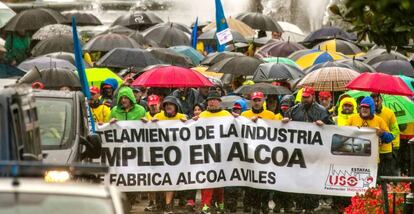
(49, 31)
(291, 32)
(5, 14)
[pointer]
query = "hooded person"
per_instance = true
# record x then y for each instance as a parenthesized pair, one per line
(367, 118)
(126, 107)
(171, 112)
(286, 102)
(347, 107)
(240, 106)
(108, 88)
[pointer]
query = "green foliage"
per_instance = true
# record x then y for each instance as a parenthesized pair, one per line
(385, 22)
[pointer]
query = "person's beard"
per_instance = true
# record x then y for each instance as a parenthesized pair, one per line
(170, 114)
(369, 117)
(213, 109)
(307, 105)
(346, 112)
(378, 109)
(257, 111)
(94, 103)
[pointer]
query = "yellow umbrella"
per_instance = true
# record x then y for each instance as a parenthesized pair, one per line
(203, 70)
(340, 46)
(235, 25)
(314, 58)
(96, 76)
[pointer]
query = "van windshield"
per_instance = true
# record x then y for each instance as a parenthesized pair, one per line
(55, 122)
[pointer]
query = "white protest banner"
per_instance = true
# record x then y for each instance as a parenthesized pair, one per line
(224, 36)
(225, 151)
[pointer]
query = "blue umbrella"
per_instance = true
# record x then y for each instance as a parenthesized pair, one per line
(190, 52)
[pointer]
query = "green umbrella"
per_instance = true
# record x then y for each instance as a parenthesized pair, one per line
(96, 76)
(280, 60)
(402, 106)
(409, 81)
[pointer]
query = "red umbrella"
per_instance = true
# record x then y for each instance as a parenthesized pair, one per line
(172, 77)
(380, 83)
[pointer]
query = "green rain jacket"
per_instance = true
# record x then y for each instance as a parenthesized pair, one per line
(136, 113)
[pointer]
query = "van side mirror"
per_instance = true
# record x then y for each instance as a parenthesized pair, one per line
(93, 144)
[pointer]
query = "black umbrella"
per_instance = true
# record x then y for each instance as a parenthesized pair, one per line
(107, 42)
(266, 88)
(328, 64)
(138, 20)
(53, 78)
(53, 44)
(279, 49)
(167, 35)
(141, 40)
(379, 55)
(128, 57)
(177, 25)
(357, 65)
(259, 21)
(118, 29)
(211, 38)
(168, 56)
(216, 57)
(34, 19)
(83, 19)
(395, 67)
(327, 33)
(269, 72)
(239, 65)
(8, 71)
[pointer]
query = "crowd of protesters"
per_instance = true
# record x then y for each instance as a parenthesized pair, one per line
(112, 103)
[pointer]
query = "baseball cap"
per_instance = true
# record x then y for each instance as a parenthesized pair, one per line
(94, 90)
(308, 91)
(325, 94)
(107, 86)
(153, 99)
(237, 106)
(257, 94)
(284, 107)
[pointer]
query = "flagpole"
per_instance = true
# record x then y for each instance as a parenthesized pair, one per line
(80, 67)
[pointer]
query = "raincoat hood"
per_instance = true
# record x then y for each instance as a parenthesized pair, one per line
(343, 118)
(369, 101)
(173, 100)
(110, 81)
(242, 103)
(126, 91)
(288, 100)
(347, 100)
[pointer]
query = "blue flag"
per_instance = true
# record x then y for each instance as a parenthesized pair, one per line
(194, 35)
(80, 67)
(221, 23)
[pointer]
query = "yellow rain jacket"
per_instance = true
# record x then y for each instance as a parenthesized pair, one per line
(101, 114)
(265, 114)
(389, 117)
